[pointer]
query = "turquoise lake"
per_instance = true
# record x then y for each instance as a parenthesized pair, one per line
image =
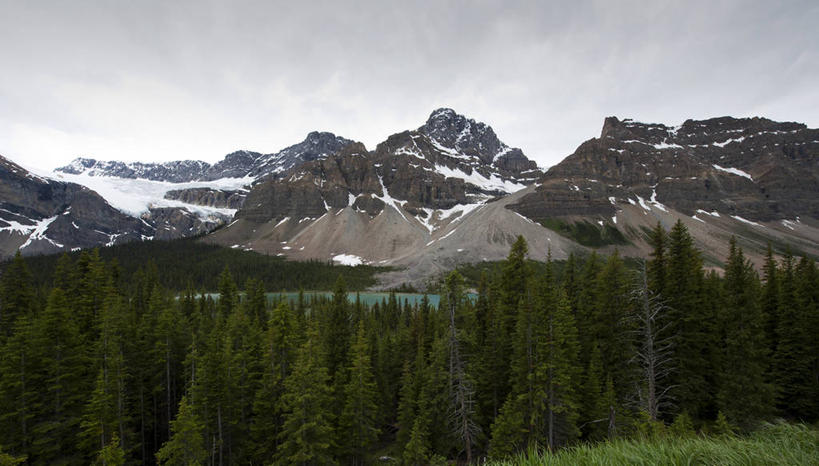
(367, 297)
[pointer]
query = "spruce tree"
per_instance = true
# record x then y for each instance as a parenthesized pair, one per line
(186, 445)
(795, 360)
(692, 325)
(307, 432)
(610, 326)
(745, 396)
(245, 367)
(62, 365)
(16, 295)
(358, 426)
(20, 383)
(412, 378)
(542, 408)
(557, 367)
(593, 411)
(106, 417)
(228, 293)
(280, 350)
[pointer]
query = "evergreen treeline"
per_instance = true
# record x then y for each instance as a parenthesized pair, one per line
(100, 372)
(189, 260)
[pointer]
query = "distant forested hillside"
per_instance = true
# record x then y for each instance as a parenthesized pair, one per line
(188, 262)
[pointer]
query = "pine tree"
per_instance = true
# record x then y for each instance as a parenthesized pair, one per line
(112, 454)
(435, 402)
(61, 361)
(745, 396)
(105, 414)
(19, 386)
(92, 288)
(542, 407)
(770, 298)
(808, 299)
(228, 293)
(501, 320)
(417, 450)
(610, 327)
(186, 445)
(245, 345)
(280, 348)
(359, 416)
(337, 330)
(593, 410)
(16, 295)
(411, 382)
(170, 342)
(509, 430)
(306, 436)
(795, 358)
(212, 390)
(692, 325)
(558, 369)
(256, 302)
(587, 299)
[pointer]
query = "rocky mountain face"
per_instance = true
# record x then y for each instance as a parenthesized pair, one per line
(38, 215)
(752, 168)
(446, 193)
(450, 192)
(190, 196)
(401, 203)
(239, 164)
(751, 178)
(449, 161)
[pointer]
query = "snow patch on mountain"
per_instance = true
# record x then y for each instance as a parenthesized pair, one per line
(136, 196)
(733, 171)
(348, 259)
(493, 183)
(39, 232)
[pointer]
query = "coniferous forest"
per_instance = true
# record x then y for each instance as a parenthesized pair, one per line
(111, 367)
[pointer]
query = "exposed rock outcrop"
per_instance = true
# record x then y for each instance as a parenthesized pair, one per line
(753, 168)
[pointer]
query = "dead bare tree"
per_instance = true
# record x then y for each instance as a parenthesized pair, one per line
(655, 348)
(460, 386)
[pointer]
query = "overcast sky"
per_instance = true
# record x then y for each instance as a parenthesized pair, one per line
(167, 80)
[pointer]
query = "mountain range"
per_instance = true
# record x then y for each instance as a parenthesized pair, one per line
(448, 192)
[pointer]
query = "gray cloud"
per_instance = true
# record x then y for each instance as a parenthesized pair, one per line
(168, 80)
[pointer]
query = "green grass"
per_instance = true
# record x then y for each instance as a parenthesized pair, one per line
(774, 444)
(586, 233)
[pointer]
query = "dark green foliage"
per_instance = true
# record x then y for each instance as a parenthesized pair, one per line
(307, 432)
(16, 295)
(587, 233)
(114, 368)
(191, 260)
(796, 363)
(280, 346)
(692, 325)
(187, 445)
(745, 395)
(358, 426)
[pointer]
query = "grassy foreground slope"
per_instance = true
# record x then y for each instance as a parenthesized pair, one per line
(774, 444)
